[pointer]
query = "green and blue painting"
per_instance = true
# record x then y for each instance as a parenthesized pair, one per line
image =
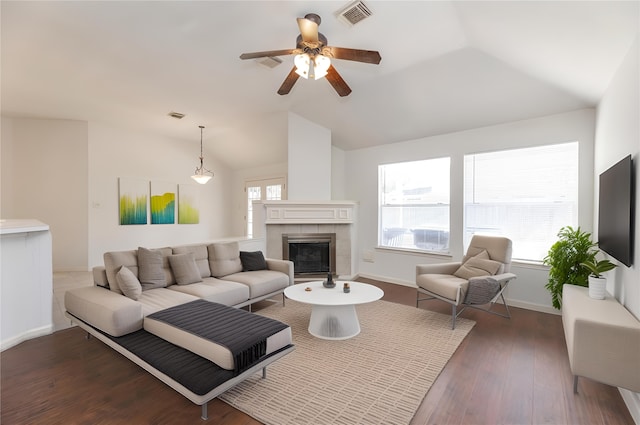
(188, 211)
(133, 201)
(163, 208)
(163, 203)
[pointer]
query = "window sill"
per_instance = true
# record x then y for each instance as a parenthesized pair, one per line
(409, 251)
(529, 264)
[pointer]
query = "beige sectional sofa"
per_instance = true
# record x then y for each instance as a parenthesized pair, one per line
(221, 280)
(138, 283)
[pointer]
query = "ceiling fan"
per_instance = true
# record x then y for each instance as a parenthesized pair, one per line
(313, 57)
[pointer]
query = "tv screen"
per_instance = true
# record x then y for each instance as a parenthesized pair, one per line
(616, 211)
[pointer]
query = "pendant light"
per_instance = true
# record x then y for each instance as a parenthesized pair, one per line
(202, 175)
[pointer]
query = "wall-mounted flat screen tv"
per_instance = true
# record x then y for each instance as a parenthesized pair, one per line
(616, 211)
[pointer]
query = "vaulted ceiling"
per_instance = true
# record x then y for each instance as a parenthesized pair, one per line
(446, 66)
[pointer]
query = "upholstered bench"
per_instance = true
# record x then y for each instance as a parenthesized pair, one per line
(231, 338)
(603, 339)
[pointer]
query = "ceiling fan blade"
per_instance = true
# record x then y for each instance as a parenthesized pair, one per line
(269, 53)
(366, 56)
(308, 30)
(288, 83)
(337, 82)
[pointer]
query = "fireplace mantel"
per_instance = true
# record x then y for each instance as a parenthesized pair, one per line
(308, 212)
(272, 219)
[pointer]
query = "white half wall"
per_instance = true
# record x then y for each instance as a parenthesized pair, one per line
(361, 177)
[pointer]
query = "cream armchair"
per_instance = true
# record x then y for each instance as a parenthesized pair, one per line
(479, 279)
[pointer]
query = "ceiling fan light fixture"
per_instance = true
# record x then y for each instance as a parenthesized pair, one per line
(321, 65)
(202, 175)
(303, 64)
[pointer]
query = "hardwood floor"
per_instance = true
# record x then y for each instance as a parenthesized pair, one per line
(505, 372)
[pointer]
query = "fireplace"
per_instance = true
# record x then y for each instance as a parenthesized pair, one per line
(313, 254)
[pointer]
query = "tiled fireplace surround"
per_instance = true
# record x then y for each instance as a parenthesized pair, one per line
(275, 218)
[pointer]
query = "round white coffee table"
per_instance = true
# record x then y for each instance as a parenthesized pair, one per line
(333, 315)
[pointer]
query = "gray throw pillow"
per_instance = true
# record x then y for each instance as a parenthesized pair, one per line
(477, 266)
(150, 272)
(185, 269)
(252, 261)
(128, 283)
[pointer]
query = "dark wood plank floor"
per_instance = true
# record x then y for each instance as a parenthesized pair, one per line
(505, 372)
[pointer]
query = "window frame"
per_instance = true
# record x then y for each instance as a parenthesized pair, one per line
(262, 183)
(429, 241)
(571, 204)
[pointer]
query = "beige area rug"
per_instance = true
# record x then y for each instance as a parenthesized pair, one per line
(378, 377)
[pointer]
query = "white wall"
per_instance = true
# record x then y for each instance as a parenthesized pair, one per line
(44, 177)
(114, 153)
(338, 168)
(309, 160)
(361, 176)
(618, 135)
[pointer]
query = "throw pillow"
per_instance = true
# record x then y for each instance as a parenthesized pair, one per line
(252, 261)
(150, 271)
(128, 283)
(185, 268)
(478, 266)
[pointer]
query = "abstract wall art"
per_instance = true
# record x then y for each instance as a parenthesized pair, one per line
(133, 196)
(188, 211)
(163, 203)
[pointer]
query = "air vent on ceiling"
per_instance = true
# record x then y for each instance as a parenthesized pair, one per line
(354, 13)
(176, 115)
(269, 62)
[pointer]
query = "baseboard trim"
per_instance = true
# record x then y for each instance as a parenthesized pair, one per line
(632, 400)
(24, 336)
(386, 279)
(534, 307)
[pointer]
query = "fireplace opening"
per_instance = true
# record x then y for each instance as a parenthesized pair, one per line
(313, 254)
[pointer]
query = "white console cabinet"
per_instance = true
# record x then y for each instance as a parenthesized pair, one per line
(26, 281)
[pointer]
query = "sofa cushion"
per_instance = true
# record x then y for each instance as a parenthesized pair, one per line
(201, 255)
(224, 258)
(129, 283)
(479, 265)
(445, 285)
(160, 298)
(216, 290)
(252, 261)
(261, 282)
(110, 312)
(116, 259)
(184, 268)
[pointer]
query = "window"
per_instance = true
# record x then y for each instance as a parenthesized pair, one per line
(526, 195)
(262, 190)
(414, 205)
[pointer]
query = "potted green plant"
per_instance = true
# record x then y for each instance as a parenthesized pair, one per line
(597, 283)
(565, 258)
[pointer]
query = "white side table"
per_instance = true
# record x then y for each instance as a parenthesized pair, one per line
(333, 315)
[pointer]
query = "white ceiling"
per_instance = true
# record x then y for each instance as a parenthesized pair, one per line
(446, 66)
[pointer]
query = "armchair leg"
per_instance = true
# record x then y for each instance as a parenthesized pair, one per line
(453, 316)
